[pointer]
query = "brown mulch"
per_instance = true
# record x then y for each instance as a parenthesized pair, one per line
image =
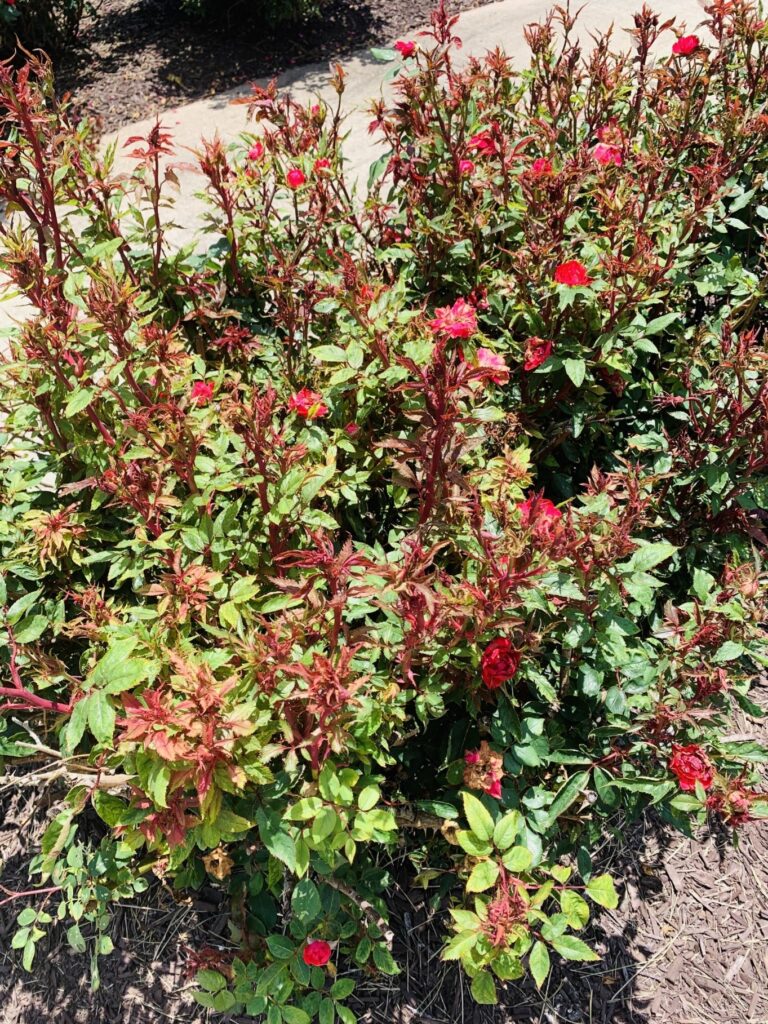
(137, 57)
(688, 943)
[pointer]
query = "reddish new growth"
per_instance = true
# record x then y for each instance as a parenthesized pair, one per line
(198, 733)
(185, 590)
(319, 712)
(506, 909)
(541, 516)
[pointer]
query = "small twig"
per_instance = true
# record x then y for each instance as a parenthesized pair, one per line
(27, 892)
(93, 779)
(367, 908)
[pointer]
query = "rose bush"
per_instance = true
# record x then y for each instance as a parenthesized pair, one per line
(50, 24)
(438, 511)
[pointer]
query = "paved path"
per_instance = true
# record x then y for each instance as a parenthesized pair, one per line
(499, 24)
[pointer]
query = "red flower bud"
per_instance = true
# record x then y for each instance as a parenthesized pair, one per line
(316, 953)
(686, 45)
(572, 273)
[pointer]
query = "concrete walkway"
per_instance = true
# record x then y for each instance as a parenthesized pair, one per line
(483, 29)
(499, 24)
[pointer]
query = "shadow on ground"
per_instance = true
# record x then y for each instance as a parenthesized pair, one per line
(138, 56)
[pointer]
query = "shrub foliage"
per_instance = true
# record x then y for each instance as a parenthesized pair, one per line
(429, 519)
(50, 24)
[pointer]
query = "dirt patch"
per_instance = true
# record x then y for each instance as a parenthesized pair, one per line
(140, 56)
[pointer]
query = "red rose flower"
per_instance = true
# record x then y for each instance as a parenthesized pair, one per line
(691, 765)
(686, 45)
(488, 360)
(483, 143)
(572, 273)
(500, 662)
(472, 757)
(201, 392)
(466, 167)
(308, 403)
(605, 154)
(295, 178)
(322, 164)
(540, 515)
(256, 152)
(406, 48)
(316, 953)
(537, 351)
(541, 166)
(457, 321)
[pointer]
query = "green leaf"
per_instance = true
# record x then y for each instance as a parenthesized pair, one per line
(101, 716)
(343, 988)
(602, 890)
(660, 323)
(295, 1015)
(576, 370)
(110, 808)
(304, 809)
(305, 901)
(75, 728)
(280, 946)
(575, 908)
(483, 989)
(324, 824)
(519, 858)
(439, 808)
(210, 980)
(27, 916)
(28, 955)
(469, 842)
(278, 842)
(118, 671)
(505, 832)
(76, 939)
(224, 1001)
(461, 944)
(78, 400)
(572, 789)
(648, 556)
(728, 651)
(571, 948)
(31, 629)
(480, 820)
(368, 798)
(483, 876)
(382, 54)
(329, 354)
(327, 1012)
(539, 963)
(384, 960)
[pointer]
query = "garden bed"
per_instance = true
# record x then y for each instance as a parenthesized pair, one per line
(687, 944)
(328, 583)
